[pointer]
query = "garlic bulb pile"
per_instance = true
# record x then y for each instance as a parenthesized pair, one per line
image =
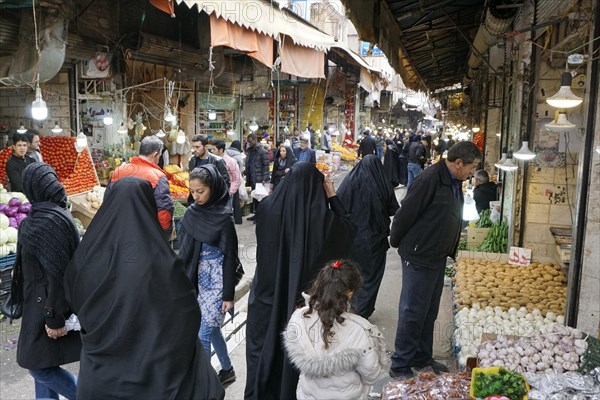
(559, 350)
(472, 322)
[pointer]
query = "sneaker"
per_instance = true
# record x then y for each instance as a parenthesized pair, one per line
(226, 376)
(401, 373)
(252, 218)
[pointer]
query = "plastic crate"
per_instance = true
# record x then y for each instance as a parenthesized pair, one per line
(7, 261)
(591, 358)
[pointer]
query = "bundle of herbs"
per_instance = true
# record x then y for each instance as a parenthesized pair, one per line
(504, 383)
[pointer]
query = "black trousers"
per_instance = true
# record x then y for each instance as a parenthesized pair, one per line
(237, 210)
(419, 304)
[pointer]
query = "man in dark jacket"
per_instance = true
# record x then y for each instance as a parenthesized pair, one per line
(18, 161)
(202, 156)
(367, 145)
(257, 168)
(426, 230)
(416, 154)
(485, 191)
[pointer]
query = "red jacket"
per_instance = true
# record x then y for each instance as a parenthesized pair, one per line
(146, 170)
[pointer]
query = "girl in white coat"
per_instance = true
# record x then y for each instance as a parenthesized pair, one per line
(339, 354)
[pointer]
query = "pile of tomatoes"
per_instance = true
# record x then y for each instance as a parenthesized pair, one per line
(75, 170)
(4, 156)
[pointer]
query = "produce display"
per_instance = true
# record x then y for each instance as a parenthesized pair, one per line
(75, 170)
(346, 154)
(4, 156)
(498, 382)
(496, 240)
(179, 210)
(14, 208)
(498, 284)
(484, 219)
(95, 197)
(558, 350)
(427, 385)
(178, 181)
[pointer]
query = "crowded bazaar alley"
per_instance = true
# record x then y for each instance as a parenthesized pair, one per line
(300, 199)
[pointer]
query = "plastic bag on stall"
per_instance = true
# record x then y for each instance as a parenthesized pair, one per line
(243, 193)
(494, 215)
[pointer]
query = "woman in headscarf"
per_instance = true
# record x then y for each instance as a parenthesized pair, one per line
(209, 247)
(284, 160)
(136, 306)
(299, 227)
(370, 198)
(391, 163)
(47, 240)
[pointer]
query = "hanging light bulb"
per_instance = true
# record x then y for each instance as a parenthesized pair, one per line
(39, 110)
(509, 165)
(476, 128)
(81, 142)
(501, 162)
(108, 119)
(161, 133)
(564, 98)
(57, 128)
(180, 137)
(169, 116)
(122, 129)
(560, 124)
(524, 153)
(21, 129)
(253, 125)
(212, 115)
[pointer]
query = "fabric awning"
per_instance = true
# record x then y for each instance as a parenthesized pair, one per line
(260, 16)
(358, 59)
(301, 61)
(256, 45)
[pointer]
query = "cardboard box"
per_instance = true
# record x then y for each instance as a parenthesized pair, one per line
(476, 236)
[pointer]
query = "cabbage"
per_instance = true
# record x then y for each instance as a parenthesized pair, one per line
(20, 217)
(4, 250)
(22, 198)
(12, 247)
(3, 221)
(5, 198)
(14, 202)
(12, 222)
(3, 237)
(3, 207)
(11, 235)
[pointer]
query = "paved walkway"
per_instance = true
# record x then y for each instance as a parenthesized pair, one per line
(15, 382)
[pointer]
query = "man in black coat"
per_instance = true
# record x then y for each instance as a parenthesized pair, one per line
(485, 191)
(367, 145)
(257, 168)
(202, 156)
(426, 230)
(18, 161)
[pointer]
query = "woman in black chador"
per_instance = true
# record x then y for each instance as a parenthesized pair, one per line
(371, 200)
(391, 163)
(47, 240)
(136, 306)
(296, 233)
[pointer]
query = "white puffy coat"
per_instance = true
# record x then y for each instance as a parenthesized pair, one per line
(347, 369)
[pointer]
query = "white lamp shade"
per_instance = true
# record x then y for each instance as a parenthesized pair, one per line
(108, 119)
(161, 133)
(21, 129)
(81, 142)
(561, 124)
(253, 125)
(180, 137)
(509, 165)
(122, 129)
(230, 132)
(39, 110)
(57, 128)
(470, 210)
(501, 161)
(476, 128)
(212, 115)
(564, 98)
(524, 153)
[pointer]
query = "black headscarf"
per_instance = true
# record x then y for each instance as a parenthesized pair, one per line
(138, 310)
(49, 231)
(370, 198)
(210, 223)
(236, 145)
(290, 157)
(391, 163)
(296, 234)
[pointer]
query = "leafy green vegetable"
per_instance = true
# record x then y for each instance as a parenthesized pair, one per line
(484, 219)
(505, 383)
(179, 210)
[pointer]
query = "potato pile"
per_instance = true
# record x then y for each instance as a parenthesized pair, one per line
(498, 284)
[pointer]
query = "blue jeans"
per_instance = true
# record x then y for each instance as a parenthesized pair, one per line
(414, 170)
(212, 335)
(419, 305)
(379, 152)
(50, 382)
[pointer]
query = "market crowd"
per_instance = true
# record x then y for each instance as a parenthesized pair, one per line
(142, 320)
